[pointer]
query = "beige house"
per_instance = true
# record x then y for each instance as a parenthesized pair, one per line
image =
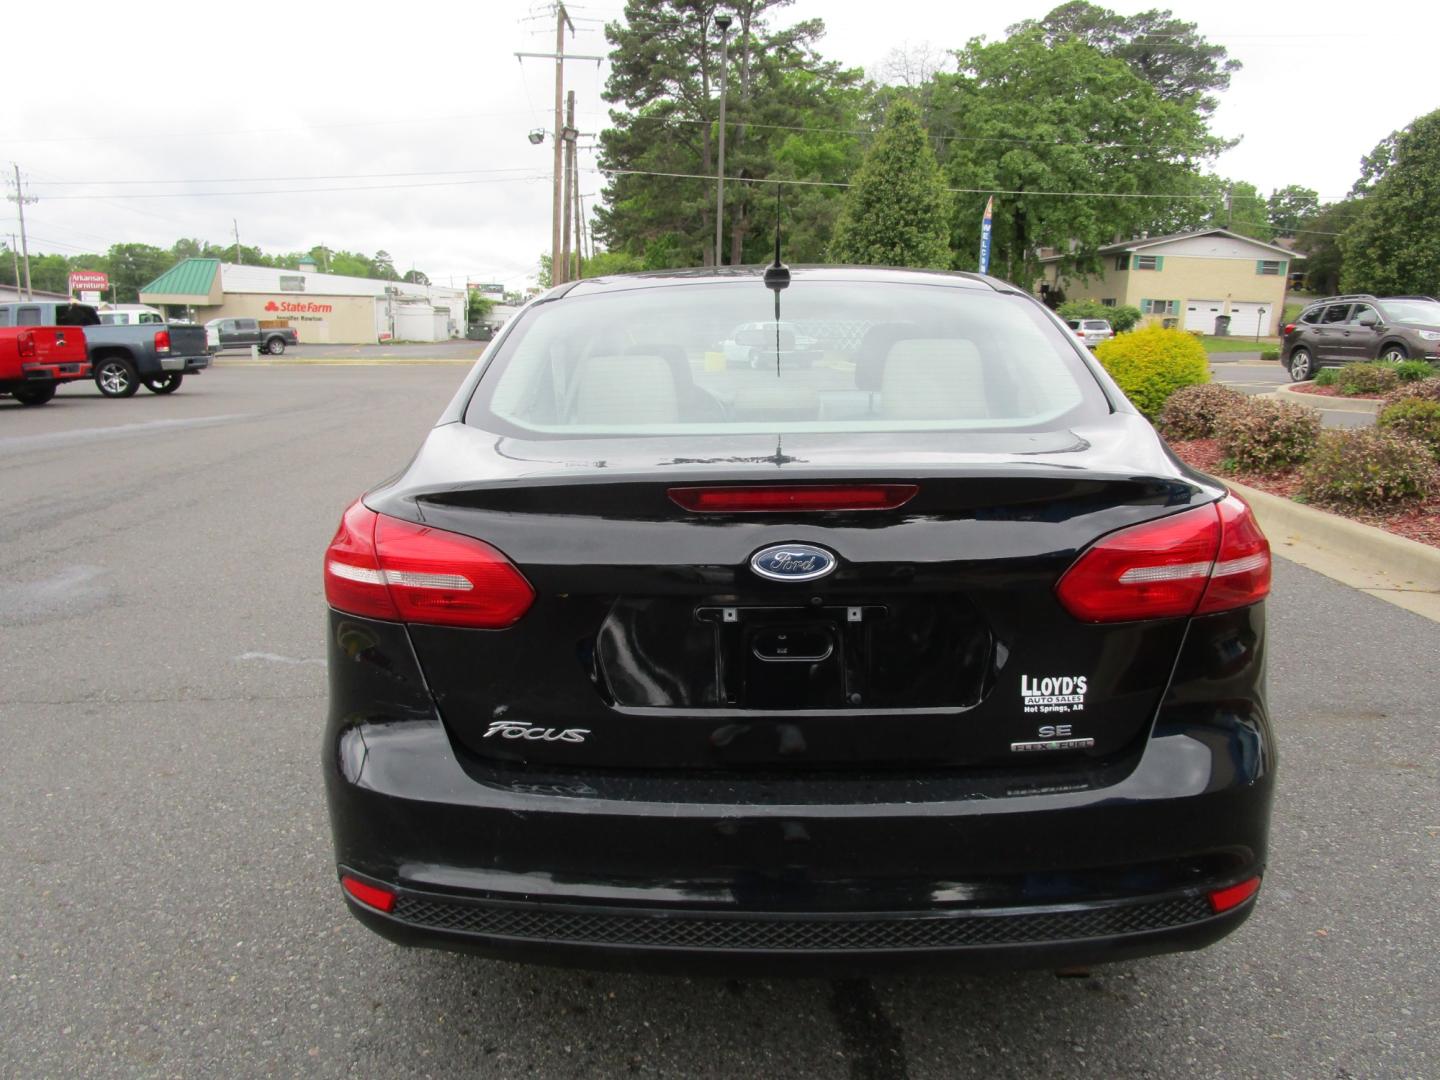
(1193, 278)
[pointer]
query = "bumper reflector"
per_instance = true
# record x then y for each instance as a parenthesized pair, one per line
(1234, 896)
(369, 895)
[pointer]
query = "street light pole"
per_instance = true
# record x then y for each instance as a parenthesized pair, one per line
(723, 22)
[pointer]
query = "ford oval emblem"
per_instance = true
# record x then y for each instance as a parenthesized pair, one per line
(792, 562)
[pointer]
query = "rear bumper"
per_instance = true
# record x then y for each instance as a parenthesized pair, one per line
(184, 364)
(794, 875)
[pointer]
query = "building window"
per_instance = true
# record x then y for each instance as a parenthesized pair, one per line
(1112, 302)
(1122, 262)
(1149, 262)
(1270, 266)
(1160, 307)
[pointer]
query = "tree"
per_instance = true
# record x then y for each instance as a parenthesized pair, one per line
(1244, 211)
(612, 262)
(1394, 244)
(415, 277)
(897, 211)
(664, 81)
(543, 276)
(1291, 207)
(384, 266)
(1164, 51)
(478, 307)
(1040, 125)
(1319, 242)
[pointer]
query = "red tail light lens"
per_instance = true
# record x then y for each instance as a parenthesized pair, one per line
(1153, 571)
(369, 895)
(162, 341)
(779, 497)
(1242, 569)
(385, 568)
(25, 344)
(1289, 329)
(1234, 896)
(1209, 559)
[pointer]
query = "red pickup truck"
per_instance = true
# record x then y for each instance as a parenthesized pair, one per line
(35, 360)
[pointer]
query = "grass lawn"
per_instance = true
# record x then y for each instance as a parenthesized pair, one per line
(1238, 344)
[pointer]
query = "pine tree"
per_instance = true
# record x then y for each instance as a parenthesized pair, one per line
(897, 213)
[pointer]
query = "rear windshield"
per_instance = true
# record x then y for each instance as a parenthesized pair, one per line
(838, 356)
(1096, 324)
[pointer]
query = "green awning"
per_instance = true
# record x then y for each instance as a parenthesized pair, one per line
(193, 278)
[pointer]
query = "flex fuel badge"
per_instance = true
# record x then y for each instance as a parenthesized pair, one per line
(1060, 694)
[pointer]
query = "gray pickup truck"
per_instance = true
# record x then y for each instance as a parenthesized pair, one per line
(242, 333)
(122, 357)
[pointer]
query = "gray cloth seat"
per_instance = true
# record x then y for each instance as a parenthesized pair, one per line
(933, 379)
(626, 389)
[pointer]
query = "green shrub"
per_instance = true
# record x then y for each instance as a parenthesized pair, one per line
(1327, 376)
(1425, 389)
(1413, 370)
(1366, 379)
(1367, 468)
(1192, 411)
(1270, 354)
(1415, 417)
(1121, 318)
(1151, 364)
(1267, 436)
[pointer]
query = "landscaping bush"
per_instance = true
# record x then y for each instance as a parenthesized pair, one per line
(1327, 376)
(1415, 417)
(1367, 468)
(1366, 379)
(1151, 364)
(1413, 370)
(1192, 411)
(1270, 354)
(1121, 318)
(1267, 436)
(1425, 389)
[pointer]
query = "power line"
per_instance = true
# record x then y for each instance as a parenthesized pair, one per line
(297, 191)
(283, 179)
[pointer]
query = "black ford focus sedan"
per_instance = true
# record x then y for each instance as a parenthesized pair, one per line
(913, 646)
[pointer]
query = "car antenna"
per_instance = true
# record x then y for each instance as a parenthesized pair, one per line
(777, 278)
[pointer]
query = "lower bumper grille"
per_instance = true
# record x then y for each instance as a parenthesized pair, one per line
(848, 933)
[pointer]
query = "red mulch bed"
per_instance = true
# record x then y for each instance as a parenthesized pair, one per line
(1330, 391)
(1420, 522)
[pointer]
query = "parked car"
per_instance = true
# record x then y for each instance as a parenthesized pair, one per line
(759, 344)
(36, 360)
(1358, 327)
(122, 357)
(242, 333)
(1091, 331)
(130, 315)
(934, 655)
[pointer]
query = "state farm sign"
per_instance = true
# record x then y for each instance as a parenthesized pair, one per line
(303, 310)
(88, 281)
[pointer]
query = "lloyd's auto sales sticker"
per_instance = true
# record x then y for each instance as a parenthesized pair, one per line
(1053, 694)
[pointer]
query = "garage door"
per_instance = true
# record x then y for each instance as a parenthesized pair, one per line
(1200, 314)
(1247, 318)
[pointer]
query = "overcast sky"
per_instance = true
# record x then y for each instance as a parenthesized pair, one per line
(429, 107)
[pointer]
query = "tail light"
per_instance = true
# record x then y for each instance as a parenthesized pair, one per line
(1224, 899)
(385, 568)
(779, 497)
(1289, 329)
(162, 341)
(369, 895)
(25, 344)
(1213, 558)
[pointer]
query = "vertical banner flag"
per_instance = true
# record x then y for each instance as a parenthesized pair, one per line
(985, 235)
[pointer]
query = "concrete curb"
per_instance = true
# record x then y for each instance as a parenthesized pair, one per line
(1391, 568)
(1322, 403)
(344, 361)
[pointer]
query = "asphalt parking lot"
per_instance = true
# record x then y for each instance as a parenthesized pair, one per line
(170, 907)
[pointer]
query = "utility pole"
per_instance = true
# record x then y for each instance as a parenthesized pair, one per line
(568, 134)
(15, 259)
(239, 257)
(20, 199)
(558, 268)
(723, 22)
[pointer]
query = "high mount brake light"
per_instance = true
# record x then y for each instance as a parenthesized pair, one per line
(780, 497)
(1212, 558)
(385, 568)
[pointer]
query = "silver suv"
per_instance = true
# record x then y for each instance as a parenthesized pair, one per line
(1358, 327)
(1091, 331)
